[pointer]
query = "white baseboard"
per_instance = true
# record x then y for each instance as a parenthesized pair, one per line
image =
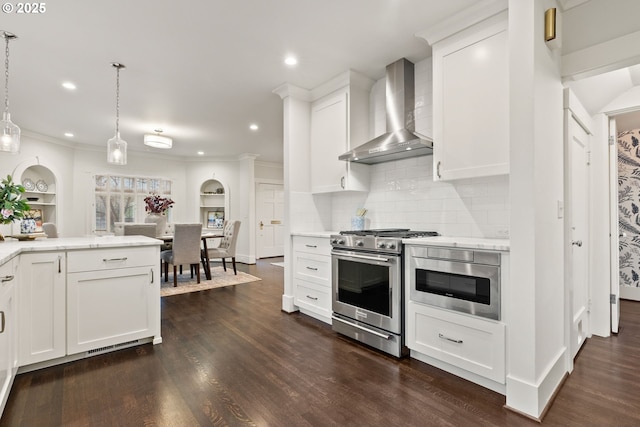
(288, 304)
(628, 292)
(533, 399)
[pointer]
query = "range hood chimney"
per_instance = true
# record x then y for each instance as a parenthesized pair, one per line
(401, 140)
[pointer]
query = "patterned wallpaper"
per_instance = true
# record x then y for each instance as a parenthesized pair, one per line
(629, 206)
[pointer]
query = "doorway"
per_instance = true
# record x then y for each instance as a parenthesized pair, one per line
(270, 220)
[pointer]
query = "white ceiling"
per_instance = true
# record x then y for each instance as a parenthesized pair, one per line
(202, 70)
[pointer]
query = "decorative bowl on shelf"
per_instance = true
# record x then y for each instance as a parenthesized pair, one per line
(33, 199)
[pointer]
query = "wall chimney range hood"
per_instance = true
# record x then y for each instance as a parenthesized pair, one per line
(401, 140)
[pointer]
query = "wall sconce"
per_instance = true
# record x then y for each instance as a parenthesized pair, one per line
(552, 28)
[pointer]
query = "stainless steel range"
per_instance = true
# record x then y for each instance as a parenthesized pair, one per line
(367, 291)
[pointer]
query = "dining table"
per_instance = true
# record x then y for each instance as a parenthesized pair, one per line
(204, 253)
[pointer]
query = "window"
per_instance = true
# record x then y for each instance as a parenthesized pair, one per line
(121, 199)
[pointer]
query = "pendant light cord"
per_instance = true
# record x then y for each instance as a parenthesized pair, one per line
(117, 99)
(6, 75)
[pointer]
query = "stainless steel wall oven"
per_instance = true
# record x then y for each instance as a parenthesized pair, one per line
(367, 287)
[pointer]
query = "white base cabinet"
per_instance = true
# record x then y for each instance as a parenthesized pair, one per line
(312, 276)
(470, 343)
(8, 329)
(42, 307)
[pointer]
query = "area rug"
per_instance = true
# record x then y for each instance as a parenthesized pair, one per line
(219, 279)
(279, 264)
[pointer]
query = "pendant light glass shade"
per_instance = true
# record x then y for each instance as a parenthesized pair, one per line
(117, 150)
(116, 146)
(9, 132)
(10, 135)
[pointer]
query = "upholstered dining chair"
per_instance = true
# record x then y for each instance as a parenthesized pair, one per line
(148, 230)
(50, 229)
(227, 247)
(186, 250)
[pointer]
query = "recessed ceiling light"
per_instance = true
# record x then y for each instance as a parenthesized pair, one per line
(253, 126)
(200, 153)
(290, 60)
(69, 85)
(68, 134)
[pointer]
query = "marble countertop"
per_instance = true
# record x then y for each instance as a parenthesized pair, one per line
(326, 234)
(461, 242)
(10, 248)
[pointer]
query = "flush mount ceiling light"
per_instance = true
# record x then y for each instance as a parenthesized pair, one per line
(10, 138)
(253, 126)
(116, 146)
(156, 140)
(290, 60)
(69, 85)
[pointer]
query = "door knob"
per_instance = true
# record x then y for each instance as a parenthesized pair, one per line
(577, 243)
(261, 225)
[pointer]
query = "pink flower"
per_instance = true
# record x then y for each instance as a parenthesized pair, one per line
(6, 213)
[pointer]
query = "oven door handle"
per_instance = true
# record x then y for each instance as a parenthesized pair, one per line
(368, 258)
(362, 328)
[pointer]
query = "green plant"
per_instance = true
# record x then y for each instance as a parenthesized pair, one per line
(12, 207)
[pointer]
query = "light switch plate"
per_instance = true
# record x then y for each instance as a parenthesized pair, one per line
(560, 209)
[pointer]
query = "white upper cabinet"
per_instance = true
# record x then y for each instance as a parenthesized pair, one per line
(471, 101)
(340, 122)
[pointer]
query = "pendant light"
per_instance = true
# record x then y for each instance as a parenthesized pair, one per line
(9, 132)
(116, 146)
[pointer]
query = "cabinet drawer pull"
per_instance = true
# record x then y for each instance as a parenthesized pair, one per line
(59, 264)
(443, 337)
(312, 268)
(438, 169)
(312, 298)
(342, 182)
(311, 246)
(151, 275)
(2, 322)
(6, 279)
(113, 259)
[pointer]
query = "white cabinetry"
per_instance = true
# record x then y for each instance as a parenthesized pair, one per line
(470, 101)
(312, 276)
(8, 329)
(470, 343)
(42, 305)
(40, 192)
(112, 297)
(214, 204)
(340, 122)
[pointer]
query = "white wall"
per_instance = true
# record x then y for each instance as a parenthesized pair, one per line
(535, 305)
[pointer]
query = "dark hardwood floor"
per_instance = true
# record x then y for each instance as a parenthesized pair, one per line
(231, 357)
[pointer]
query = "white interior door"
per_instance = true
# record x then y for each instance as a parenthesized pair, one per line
(577, 215)
(614, 229)
(270, 214)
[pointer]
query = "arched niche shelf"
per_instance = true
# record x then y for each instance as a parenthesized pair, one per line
(42, 186)
(214, 204)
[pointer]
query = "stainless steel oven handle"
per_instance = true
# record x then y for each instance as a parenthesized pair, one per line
(362, 328)
(368, 258)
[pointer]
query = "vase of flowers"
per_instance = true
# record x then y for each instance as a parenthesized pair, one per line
(156, 207)
(12, 207)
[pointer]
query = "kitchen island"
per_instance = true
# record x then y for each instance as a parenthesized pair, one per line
(69, 298)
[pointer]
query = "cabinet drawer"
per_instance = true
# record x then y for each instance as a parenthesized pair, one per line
(314, 268)
(312, 245)
(313, 297)
(106, 259)
(469, 343)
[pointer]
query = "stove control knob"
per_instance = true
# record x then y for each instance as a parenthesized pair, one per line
(334, 241)
(391, 245)
(341, 242)
(381, 245)
(359, 243)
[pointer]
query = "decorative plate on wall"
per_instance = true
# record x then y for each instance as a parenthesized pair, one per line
(28, 184)
(41, 186)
